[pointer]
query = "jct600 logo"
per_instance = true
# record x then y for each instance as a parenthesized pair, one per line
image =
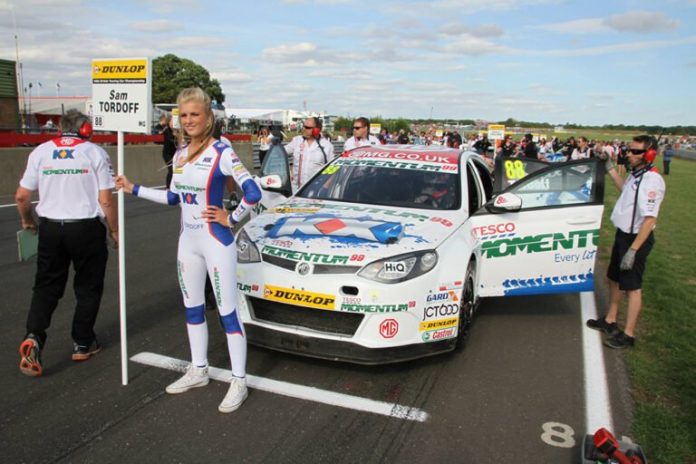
(443, 310)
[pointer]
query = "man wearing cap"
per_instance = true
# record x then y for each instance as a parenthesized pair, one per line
(635, 217)
(74, 179)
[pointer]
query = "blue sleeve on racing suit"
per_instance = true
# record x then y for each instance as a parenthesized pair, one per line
(252, 192)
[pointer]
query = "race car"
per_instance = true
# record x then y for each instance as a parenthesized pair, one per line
(384, 254)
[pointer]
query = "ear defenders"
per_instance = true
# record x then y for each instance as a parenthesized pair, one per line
(651, 151)
(316, 130)
(85, 130)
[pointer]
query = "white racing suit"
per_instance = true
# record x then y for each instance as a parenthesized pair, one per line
(208, 247)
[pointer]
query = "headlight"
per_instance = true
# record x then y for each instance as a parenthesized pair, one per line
(246, 250)
(401, 267)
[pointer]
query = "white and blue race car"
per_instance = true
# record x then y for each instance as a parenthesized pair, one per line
(383, 255)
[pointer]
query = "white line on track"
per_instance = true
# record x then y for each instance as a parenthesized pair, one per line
(293, 390)
(13, 205)
(597, 405)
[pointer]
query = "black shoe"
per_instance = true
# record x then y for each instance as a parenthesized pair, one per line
(602, 325)
(620, 340)
(83, 353)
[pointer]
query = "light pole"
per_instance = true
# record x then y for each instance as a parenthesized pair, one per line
(57, 89)
(29, 118)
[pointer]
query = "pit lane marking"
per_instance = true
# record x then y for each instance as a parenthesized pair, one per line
(14, 205)
(292, 390)
(597, 404)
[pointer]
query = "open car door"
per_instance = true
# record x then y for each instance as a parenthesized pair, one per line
(274, 179)
(510, 170)
(540, 234)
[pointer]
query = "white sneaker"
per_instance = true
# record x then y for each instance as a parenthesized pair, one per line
(235, 395)
(194, 377)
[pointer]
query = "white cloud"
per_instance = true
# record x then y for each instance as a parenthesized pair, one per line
(614, 48)
(298, 54)
(577, 26)
(474, 46)
(157, 25)
(200, 42)
(641, 22)
(232, 76)
(482, 30)
(472, 6)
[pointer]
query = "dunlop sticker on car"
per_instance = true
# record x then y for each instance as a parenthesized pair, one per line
(299, 297)
(438, 324)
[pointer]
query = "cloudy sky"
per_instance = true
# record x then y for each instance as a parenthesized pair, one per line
(588, 62)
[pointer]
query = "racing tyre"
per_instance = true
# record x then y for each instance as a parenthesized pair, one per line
(467, 310)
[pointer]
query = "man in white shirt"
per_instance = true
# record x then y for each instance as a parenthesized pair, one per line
(635, 217)
(310, 152)
(74, 178)
(361, 135)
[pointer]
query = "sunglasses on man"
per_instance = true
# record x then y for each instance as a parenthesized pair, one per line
(357, 127)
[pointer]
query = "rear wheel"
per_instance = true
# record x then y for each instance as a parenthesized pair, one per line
(467, 309)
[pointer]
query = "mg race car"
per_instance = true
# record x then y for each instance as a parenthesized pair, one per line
(384, 254)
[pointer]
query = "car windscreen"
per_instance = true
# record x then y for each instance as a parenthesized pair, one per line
(406, 188)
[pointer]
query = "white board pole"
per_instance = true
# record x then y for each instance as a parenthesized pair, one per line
(122, 265)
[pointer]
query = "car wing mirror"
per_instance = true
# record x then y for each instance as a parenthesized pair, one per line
(504, 203)
(271, 182)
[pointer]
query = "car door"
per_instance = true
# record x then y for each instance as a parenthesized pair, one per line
(275, 163)
(540, 235)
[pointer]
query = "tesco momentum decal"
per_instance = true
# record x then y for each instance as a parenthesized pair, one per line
(121, 94)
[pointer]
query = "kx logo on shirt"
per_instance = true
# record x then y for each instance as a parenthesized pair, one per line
(63, 154)
(189, 198)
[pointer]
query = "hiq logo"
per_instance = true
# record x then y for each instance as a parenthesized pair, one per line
(63, 154)
(189, 198)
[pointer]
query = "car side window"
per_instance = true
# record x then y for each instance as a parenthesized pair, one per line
(569, 184)
(485, 177)
(472, 190)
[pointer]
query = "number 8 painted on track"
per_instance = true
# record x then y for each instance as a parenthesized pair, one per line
(558, 434)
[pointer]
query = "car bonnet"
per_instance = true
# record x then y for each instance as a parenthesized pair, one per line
(329, 227)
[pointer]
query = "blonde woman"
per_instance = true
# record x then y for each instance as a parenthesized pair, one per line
(202, 166)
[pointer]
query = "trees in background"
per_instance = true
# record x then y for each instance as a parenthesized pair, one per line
(171, 74)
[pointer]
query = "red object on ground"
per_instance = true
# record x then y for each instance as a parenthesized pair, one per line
(607, 443)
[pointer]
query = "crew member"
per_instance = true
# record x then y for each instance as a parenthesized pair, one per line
(310, 152)
(361, 135)
(74, 178)
(202, 166)
(635, 217)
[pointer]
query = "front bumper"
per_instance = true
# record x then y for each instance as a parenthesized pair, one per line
(346, 351)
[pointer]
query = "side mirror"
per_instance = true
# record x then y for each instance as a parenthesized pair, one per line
(271, 182)
(504, 203)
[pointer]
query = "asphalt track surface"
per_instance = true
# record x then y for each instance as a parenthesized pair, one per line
(491, 402)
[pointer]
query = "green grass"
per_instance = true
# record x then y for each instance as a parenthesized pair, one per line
(662, 366)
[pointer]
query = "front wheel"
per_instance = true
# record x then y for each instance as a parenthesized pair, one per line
(467, 308)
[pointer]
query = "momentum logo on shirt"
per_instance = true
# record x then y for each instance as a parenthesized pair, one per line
(52, 172)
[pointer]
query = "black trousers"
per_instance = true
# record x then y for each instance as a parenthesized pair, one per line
(83, 244)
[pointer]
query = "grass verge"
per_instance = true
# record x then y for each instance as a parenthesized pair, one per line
(662, 366)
